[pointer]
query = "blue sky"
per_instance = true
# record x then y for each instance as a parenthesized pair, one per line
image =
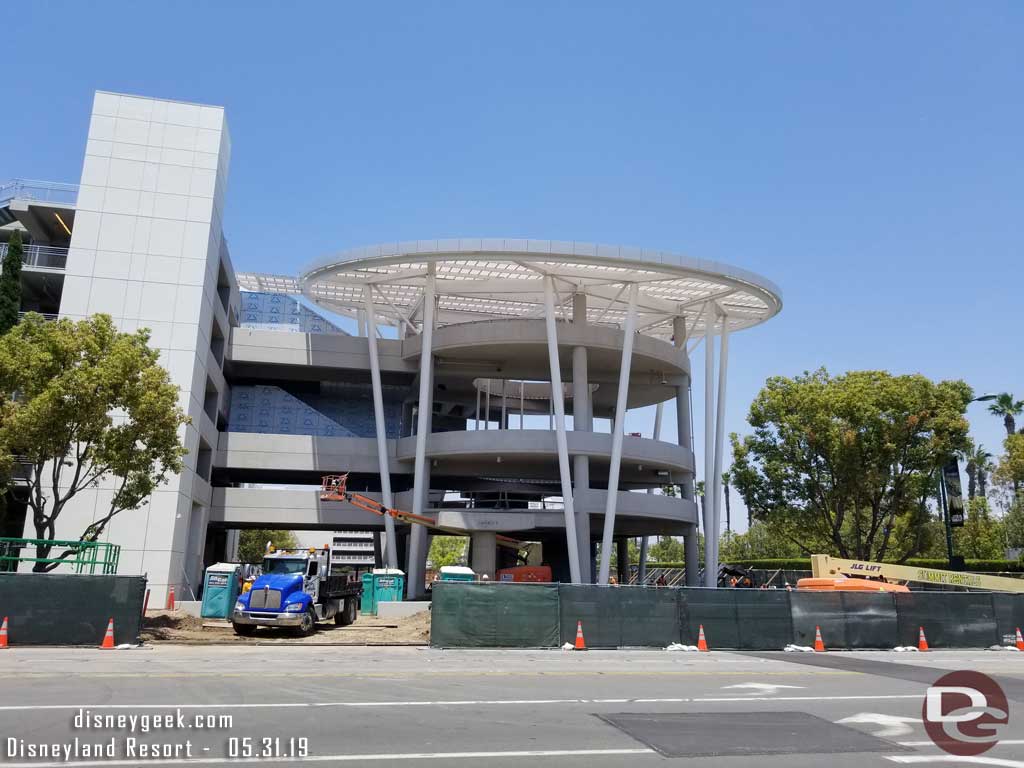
(867, 157)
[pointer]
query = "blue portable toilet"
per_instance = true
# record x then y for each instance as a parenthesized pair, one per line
(220, 590)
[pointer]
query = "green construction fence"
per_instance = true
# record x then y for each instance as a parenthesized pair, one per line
(68, 609)
(497, 615)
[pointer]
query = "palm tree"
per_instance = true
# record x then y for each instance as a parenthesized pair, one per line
(1007, 407)
(979, 464)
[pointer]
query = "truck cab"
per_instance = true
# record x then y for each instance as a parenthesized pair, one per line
(298, 588)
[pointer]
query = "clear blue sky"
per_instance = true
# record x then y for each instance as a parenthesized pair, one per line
(867, 157)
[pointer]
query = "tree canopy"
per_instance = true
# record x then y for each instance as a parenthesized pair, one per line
(845, 464)
(252, 543)
(84, 404)
(10, 283)
(447, 550)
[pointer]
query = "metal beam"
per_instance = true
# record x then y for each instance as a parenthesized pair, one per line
(620, 424)
(381, 428)
(710, 566)
(572, 543)
(723, 370)
(426, 398)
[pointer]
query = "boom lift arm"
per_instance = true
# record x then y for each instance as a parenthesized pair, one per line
(824, 566)
(335, 488)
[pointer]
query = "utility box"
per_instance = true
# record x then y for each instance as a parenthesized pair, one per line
(220, 590)
(381, 585)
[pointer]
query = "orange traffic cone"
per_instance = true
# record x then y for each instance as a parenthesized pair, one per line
(1020, 640)
(922, 641)
(702, 643)
(3, 633)
(580, 644)
(108, 638)
(819, 644)
(170, 599)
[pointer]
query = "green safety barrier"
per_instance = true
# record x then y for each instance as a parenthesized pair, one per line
(494, 615)
(541, 616)
(64, 609)
(618, 617)
(77, 556)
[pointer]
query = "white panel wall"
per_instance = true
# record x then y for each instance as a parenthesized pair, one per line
(146, 250)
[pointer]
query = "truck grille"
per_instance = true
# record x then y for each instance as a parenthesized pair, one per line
(265, 598)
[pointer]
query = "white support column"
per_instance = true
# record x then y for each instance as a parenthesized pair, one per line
(644, 540)
(710, 534)
(381, 426)
(582, 421)
(487, 406)
(629, 331)
(426, 405)
(723, 369)
(571, 542)
(476, 423)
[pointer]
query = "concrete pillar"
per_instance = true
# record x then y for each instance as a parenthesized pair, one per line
(378, 555)
(421, 472)
(380, 425)
(629, 328)
(485, 553)
(582, 421)
(692, 555)
(622, 560)
(558, 409)
(710, 533)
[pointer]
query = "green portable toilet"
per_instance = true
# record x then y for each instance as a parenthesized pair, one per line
(456, 573)
(381, 585)
(220, 590)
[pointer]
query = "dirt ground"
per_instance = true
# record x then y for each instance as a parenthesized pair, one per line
(179, 627)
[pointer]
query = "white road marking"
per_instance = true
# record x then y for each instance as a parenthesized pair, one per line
(807, 698)
(763, 688)
(1002, 742)
(997, 761)
(349, 758)
(442, 703)
(892, 725)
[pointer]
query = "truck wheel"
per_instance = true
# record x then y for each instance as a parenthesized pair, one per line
(308, 625)
(347, 614)
(244, 630)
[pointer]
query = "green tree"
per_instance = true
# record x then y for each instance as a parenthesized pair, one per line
(1011, 464)
(447, 550)
(10, 283)
(1006, 406)
(982, 537)
(760, 542)
(85, 404)
(844, 465)
(252, 543)
(1013, 523)
(667, 549)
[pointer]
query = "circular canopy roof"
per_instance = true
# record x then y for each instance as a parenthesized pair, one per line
(487, 279)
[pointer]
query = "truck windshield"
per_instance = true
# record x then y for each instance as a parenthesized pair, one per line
(277, 565)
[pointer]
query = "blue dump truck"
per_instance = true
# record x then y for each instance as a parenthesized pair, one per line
(297, 589)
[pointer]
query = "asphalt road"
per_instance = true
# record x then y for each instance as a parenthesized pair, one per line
(413, 706)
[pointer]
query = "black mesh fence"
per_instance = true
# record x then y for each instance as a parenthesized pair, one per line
(617, 616)
(1009, 613)
(949, 619)
(537, 616)
(64, 609)
(494, 615)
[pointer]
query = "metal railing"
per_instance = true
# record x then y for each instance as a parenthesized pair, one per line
(41, 191)
(49, 316)
(80, 556)
(41, 256)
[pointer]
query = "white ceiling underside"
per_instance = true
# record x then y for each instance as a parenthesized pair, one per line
(488, 280)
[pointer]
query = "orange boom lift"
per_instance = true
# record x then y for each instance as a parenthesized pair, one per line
(335, 488)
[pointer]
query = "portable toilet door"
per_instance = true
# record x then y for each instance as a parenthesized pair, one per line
(368, 602)
(388, 585)
(220, 590)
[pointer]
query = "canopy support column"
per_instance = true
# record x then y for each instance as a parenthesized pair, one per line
(629, 331)
(558, 406)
